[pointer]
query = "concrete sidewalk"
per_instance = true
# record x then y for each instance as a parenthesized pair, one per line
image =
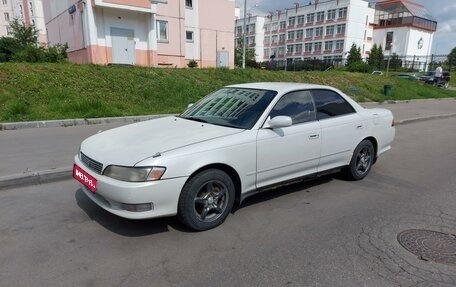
(39, 155)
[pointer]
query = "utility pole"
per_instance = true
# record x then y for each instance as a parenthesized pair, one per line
(244, 34)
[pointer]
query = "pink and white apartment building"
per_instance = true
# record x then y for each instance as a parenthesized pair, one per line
(30, 12)
(154, 33)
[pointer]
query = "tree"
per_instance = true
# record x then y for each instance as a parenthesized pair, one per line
(376, 58)
(452, 57)
(249, 54)
(354, 55)
(24, 34)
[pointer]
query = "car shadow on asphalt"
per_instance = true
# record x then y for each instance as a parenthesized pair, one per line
(271, 194)
(123, 226)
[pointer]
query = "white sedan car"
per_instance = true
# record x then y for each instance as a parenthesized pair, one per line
(233, 143)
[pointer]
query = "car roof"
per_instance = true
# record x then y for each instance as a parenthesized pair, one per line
(280, 87)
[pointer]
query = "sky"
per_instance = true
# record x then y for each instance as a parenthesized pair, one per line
(444, 11)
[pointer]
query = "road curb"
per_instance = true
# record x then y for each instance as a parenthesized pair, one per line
(77, 122)
(52, 175)
(39, 177)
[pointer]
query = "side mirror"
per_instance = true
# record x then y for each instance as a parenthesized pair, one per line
(279, 122)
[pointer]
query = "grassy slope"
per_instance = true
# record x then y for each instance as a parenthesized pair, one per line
(58, 91)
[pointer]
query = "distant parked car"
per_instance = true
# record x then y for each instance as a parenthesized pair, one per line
(444, 82)
(406, 76)
(231, 144)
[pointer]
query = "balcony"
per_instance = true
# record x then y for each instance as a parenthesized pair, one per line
(138, 6)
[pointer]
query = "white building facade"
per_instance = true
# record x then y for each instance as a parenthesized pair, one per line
(326, 30)
(6, 15)
(320, 30)
(254, 34)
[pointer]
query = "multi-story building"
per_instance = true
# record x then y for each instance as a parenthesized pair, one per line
(327, 29)
(144, 32)
(29, 12)
(406, 29)
(321, 30)
(254, 35)
(6, 15)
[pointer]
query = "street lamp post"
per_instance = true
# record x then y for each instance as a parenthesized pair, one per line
(244, 42)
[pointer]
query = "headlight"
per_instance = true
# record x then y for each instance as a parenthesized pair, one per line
(134, 174)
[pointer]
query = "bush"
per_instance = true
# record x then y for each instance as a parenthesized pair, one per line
(192, 64)
(360, 67)
(8, 47)
(30, 54)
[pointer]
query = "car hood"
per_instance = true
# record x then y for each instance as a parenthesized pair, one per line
(130, 144)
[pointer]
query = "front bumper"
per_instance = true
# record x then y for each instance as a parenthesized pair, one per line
(115, 196)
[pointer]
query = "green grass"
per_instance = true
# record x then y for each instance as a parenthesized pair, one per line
(30, 92)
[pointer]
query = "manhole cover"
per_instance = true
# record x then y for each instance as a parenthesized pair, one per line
(429, 245)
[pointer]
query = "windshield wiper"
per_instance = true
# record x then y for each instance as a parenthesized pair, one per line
(195, 119)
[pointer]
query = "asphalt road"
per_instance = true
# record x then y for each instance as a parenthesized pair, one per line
(328, 232)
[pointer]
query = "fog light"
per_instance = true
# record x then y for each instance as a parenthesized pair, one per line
(138, 207)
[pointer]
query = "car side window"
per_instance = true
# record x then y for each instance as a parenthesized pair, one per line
(297, 105)
(330, 104)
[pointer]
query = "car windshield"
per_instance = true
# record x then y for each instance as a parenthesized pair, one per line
(231, 107)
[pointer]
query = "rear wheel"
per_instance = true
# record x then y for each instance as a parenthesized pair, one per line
(206, 200)
(361, 161)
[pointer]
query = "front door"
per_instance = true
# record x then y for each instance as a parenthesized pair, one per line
(123, 46)
(289, 152)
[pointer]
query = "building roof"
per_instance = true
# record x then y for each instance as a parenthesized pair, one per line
(398, 6)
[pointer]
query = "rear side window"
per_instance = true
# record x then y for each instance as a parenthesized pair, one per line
(297, 105)
(330, 104)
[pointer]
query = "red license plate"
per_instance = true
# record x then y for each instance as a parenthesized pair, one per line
(86, 179)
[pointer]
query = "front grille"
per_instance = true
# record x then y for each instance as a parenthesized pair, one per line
(92, 164)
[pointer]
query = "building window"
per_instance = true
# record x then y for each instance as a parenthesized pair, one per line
(267, 40)
(317, 46)
(267, 27)
(31, 8)
(308, 47)
(252, 28)
(318, 31)
(281, 38)
(162, 31)
(389, 41)
(339, 44)
(310, 18)
(189, 36)
(274, 26)
(5, 2)
(309, 33)
(343, 12)
(9, 30)
(299, 34)
(341, 29)
(291, 35)
(6, 15)
(329, 30)
(275, 39)
(328, 46)
(320, 16)
(281, 51)
(252, 40)
(188, 3)
(283, 25)
(331, 14)
(290, 49)
(239, 30)
(291, 21)
(298, 48)
(301, 19)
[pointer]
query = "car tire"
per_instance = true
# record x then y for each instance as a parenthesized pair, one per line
(361, 162)
(206, 200)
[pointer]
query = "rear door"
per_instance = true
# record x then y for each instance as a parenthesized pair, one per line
(342, 128)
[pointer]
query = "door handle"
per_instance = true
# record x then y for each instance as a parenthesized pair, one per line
(314, 137)
(359, 127)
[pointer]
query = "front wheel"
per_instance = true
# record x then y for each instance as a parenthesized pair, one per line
(206, 200)
(361, 161)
